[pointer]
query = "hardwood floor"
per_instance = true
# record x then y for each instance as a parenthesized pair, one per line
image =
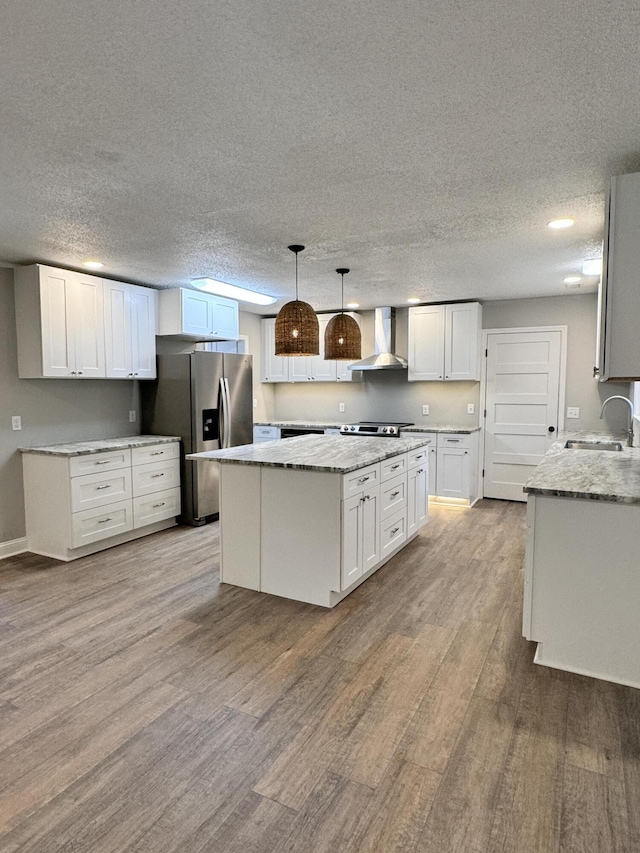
(145, 708)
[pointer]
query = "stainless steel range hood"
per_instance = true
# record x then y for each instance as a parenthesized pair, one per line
(385, 342)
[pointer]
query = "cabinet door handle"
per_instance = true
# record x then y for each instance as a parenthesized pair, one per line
(104, 520)
(99, 488)
(153, 476)
(73, 373)
(363, 479)
(394, 531)
(157, 453)
(394, 494)
(157, 505)
(465, 453)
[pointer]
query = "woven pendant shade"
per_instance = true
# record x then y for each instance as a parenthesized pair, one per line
(342, 339)
(297, 330)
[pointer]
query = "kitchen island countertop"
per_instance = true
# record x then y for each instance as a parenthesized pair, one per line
(596, 475)
(330, 453)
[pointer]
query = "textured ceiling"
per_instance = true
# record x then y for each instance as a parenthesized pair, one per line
(423, 143)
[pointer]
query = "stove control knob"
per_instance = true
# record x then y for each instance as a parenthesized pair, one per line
(353, 429)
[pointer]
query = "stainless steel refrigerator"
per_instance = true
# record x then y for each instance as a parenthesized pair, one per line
(206, 399)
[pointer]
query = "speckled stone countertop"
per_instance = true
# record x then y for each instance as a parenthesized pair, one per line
(464, 430)
(85, 448)
(595, 475)
(330, 453)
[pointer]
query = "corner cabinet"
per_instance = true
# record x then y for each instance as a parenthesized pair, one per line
(76, 326)
(619, 306)
(194, 315)
(445, 342)
(310, 369)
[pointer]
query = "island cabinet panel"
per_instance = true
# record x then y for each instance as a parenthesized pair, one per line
(352, 562)
(240, 525)
(417, 498)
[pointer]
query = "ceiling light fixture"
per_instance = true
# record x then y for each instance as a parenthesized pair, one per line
(221, 288)
(93, 265)
(592, 266)
(297, 330)
(353, 304)
(572, 279)
(342, 339)
(413, 300)
(559, 224)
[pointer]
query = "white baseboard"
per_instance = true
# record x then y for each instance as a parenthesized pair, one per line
(12, 547)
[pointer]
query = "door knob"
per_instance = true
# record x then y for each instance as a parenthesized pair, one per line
(552, 429)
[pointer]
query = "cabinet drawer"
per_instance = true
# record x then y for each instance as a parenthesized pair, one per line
(94, 490)
(393, 496)
(393, 532)
(417, 457)
(156, 477)
(390, 468)
(156, 507)
(155, 453)
(266, 433)
(454, 440)
(108, 461)
(93, 524)
(358, 481)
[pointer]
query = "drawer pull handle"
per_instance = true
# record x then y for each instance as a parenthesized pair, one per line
(394, 494)
(104, 520)
(363, 479)
(157, 453)
(153, 476)
(452, 440)
(99, 488)
(157, 505)
(394, 531)
(418, 457)
(104, 462)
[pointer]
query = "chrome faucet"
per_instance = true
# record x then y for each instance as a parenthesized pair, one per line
(631, 415)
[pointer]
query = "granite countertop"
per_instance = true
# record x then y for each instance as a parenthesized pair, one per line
(465, 430)
(593, 475)
(329, 453)
(85, 448)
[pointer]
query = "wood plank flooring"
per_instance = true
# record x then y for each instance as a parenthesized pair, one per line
(143, 707)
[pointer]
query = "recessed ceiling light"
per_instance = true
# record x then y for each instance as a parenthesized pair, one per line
(353, 304)
(572, 279)
(93, 265)
(221, 288)
(592, 266)
(414, 300)
(558, 224)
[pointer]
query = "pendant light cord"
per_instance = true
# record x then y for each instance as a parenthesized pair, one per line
(341, 272)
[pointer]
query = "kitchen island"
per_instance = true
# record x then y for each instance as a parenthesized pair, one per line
(311, 518)
(582, 567)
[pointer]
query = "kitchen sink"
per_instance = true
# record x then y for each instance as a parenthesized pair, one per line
(593, 445)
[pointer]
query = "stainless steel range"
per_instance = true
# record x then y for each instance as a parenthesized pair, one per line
(384, 429)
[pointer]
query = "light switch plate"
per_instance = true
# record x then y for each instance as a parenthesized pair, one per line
(16, 422)
(471, 408)
(425, 410)
(132, 416)
(573, 412)
(341, 407)
(255, 402)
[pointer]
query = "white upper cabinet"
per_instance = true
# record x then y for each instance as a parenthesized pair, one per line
(60, 322)
(303, 369)
(619, 354)
(445, 342)
(196, 315)
(130, 328)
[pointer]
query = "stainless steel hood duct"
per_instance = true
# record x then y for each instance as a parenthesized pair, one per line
(385, 342)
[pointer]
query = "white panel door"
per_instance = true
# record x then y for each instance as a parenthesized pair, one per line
(224, 318)
(426, 343)
(462, 341)
(275, 368)
(117, 322)
(299, 368)
(88, 326)
(197, 313)
(371, 530)
(351, 540)
(319, 368)
(453, 473)
(522, 398)
(58, 347)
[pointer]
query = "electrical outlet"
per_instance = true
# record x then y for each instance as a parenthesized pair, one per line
(255, 402)
(16, 422)
(132, 416)
(425, 409)
(573, 412)
(471, 408)
(341, 407)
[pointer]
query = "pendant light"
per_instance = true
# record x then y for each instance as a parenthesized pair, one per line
(342, 339)
(297, 329)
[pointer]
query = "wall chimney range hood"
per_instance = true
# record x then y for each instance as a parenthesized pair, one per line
(385, 342)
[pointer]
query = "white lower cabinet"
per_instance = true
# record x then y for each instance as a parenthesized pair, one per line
(452, 479)
(76, 505)
(453, 465)
(265, 433)
(360, 535)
